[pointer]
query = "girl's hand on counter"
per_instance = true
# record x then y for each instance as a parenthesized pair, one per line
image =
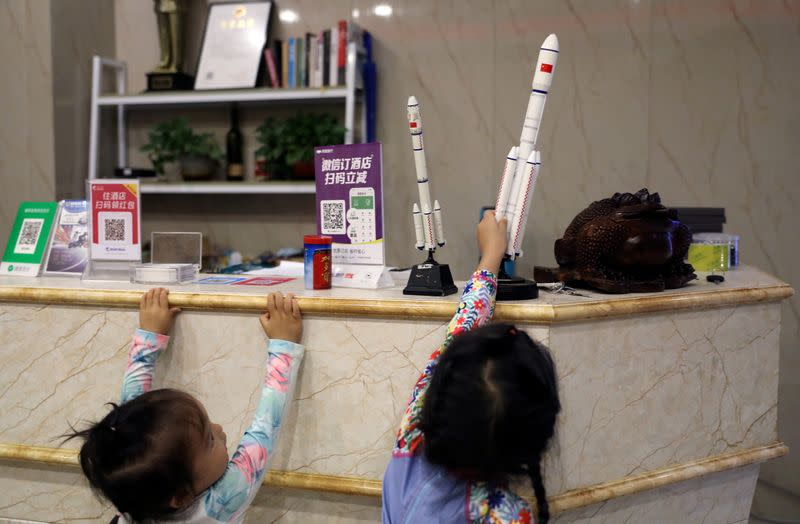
(492, 241)
(282, 319)
(155, 315)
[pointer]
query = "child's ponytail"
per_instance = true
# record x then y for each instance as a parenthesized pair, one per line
(535, 473)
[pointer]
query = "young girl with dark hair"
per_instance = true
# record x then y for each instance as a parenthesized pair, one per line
(158, 457)
(482, 412)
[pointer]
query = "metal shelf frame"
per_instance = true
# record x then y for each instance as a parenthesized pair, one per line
(124, 102)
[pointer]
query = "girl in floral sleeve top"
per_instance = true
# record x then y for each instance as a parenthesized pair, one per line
(483, 411)
(158, 457)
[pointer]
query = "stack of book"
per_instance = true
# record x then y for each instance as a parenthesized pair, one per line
(312, 60)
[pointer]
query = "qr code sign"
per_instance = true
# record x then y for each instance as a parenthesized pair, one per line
(332, 217)
(28, 236)
(115, 229)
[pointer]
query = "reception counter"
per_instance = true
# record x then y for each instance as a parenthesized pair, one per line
(669, 399)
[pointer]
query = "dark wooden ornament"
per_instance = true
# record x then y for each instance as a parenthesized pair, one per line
(629, 243)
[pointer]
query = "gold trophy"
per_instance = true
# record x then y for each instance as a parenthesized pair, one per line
(167, 76)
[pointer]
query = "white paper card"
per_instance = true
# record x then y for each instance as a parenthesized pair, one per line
(361, 276)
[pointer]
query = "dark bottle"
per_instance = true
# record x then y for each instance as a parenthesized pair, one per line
(235, 167)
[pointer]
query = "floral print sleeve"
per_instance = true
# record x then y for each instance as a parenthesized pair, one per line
(230, 496)
(474, 310)
(142, 357)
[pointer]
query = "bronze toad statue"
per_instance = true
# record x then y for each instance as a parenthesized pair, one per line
(628, 243)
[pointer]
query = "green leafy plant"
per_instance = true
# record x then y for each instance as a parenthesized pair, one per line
(171, 140)
(270, 135)
(287, 143)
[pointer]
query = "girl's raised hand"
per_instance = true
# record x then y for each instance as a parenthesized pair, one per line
(155, 315)
(282, 319)
(492, 241)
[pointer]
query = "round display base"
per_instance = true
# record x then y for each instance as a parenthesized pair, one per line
(516, 288)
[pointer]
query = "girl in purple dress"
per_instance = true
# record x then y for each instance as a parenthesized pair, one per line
(482, 412)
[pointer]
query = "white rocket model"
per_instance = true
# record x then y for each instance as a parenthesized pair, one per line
(427, 220)
(522, 163)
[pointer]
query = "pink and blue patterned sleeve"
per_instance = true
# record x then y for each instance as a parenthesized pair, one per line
(230, 496)
(142, 356)
(475, 309)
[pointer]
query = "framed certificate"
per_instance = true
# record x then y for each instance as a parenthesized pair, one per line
(234, 38)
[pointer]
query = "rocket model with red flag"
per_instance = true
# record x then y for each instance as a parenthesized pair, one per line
(521, 171)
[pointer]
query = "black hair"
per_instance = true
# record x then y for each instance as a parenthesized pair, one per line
(499, 379)
(140, 455)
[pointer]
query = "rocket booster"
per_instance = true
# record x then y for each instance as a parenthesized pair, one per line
(520, 219)
(437, 220)
(542, 80)
(417, 144)
(505, 183)
(418, 228)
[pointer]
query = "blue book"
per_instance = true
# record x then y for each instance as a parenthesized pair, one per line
(369, 75)
(292, 62)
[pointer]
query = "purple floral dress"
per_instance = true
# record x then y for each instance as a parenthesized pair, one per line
(415, 490)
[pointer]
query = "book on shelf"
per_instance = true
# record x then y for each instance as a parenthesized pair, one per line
(272, 70)
(292, 71)
(319, 63)
(313, 60)
(300, 61)
(341, 55)
(307, 60)
(326, 57)
(333, 73)
(285, 63)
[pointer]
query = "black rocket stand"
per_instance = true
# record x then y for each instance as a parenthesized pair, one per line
(430, 279)
(514, 288)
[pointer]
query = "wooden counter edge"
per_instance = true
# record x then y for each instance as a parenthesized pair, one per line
(529, 313)
(568, 500)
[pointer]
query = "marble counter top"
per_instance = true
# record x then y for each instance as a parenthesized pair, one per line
(742, 286)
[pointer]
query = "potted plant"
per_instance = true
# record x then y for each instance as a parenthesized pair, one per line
(288, 147)
(271, 155)
(303, 133)
(197, 153)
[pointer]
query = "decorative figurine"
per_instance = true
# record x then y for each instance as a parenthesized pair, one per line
(168, 75)
(628, 243)
(430, 277)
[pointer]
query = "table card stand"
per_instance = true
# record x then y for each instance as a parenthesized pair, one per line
(114, 229)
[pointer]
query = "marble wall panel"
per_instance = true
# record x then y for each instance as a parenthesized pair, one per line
(26, 99)
(352, 392)
(47, 494)
(665, 390)
(78, 32)
(721, 498)
(723, 129)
